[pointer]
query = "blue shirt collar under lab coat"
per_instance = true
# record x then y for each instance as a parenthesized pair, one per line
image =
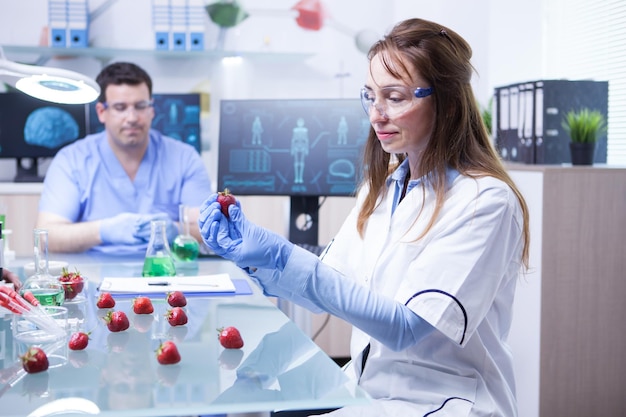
(399, 175)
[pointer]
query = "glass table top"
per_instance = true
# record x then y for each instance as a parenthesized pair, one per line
(278, 368)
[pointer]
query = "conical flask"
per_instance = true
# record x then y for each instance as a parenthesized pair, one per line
(159, 261)
(46, 288)
(185, 246)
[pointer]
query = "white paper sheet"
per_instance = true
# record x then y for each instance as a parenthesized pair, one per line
(188, 284)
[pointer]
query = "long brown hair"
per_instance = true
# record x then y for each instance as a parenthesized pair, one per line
(459, 138)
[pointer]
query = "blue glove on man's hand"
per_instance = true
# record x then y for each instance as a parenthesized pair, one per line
(122, 229)
(145, 228)
(239, 240)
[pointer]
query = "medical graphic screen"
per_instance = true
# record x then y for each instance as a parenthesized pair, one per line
(307, 147)
(32, 128)
(175, 115)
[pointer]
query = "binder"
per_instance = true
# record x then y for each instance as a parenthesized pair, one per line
(78, 23)
(161, 24)
(195, 25)
(178, 21)
(536, 135)
(57, 23)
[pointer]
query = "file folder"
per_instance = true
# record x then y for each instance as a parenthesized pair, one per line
(57, 23)
(178, 21)
(78, 23)
(161, 24)
(195, 25)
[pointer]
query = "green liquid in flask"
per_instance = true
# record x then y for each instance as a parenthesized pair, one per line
(185, 250)
(49, 296)
(158, 266)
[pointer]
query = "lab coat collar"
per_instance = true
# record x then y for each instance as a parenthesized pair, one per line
(402, 171)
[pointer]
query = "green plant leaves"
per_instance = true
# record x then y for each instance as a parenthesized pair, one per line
(584, 125)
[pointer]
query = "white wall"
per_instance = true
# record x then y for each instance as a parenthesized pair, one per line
(505, 37)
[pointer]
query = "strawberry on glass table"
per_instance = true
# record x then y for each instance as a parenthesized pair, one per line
(142, 305)
(105, 300)
(167, 353)
(34, 360)
(176, 299)
(78, 341)
(230, 337)
(117, 321)
(176, 316)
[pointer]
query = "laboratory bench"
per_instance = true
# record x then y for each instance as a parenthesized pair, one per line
(278, 368)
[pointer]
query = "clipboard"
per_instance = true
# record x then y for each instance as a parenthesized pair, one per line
(201, 285)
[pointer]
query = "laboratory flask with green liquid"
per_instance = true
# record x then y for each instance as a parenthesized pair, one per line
(159, 261)
(45, 287)
(185, 247)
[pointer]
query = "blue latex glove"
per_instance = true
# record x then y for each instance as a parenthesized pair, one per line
(145, 227)
(318, 287)
(122, 229)
(239, 240)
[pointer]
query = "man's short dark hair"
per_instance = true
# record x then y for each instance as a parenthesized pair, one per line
(120, 73)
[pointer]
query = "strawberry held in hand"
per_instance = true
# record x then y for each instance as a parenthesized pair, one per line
(176, 316)
(34, 360)
(225, 198)
(78, 341)
(176, 299)
(73, 283)
(117, 321)
(142, 305)
(167, 353)
(105, 300)
(230, 338)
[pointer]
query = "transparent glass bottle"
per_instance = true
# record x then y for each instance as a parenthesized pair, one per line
(45, 287)
(185, 246)
(159, 261)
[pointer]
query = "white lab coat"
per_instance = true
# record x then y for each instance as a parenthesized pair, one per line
(460, 278)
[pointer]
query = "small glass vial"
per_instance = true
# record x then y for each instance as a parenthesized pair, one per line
(159, 261)
(46, 288)
(185, 246)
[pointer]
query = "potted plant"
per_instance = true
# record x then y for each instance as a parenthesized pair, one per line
(585, 127)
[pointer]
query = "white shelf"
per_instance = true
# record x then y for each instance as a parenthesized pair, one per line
(26, 54)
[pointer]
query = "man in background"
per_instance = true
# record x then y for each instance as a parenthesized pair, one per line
(101, 192)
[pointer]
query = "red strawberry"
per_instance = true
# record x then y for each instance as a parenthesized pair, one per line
(167, 353)
(230, 338)
(78, 341)
(105, 300)
(73, 283)
(117, 321)
(225, 198)
(34, 360)
(176, 316)
(176, 299)
(142, 305)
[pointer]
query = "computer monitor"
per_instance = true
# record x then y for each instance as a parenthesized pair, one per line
(175, 115)
(300, 148)
(31, 129)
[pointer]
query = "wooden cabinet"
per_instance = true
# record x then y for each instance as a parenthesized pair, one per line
(568, 334)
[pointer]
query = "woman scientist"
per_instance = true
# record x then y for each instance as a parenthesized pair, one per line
(425, 266)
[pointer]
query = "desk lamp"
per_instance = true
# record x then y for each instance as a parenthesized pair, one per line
(47, 83)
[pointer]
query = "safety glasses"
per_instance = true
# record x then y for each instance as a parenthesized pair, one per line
(392, 101)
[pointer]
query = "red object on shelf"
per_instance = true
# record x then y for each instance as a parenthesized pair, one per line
(311, 14)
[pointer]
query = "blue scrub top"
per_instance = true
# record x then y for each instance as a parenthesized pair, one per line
(86, 182)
